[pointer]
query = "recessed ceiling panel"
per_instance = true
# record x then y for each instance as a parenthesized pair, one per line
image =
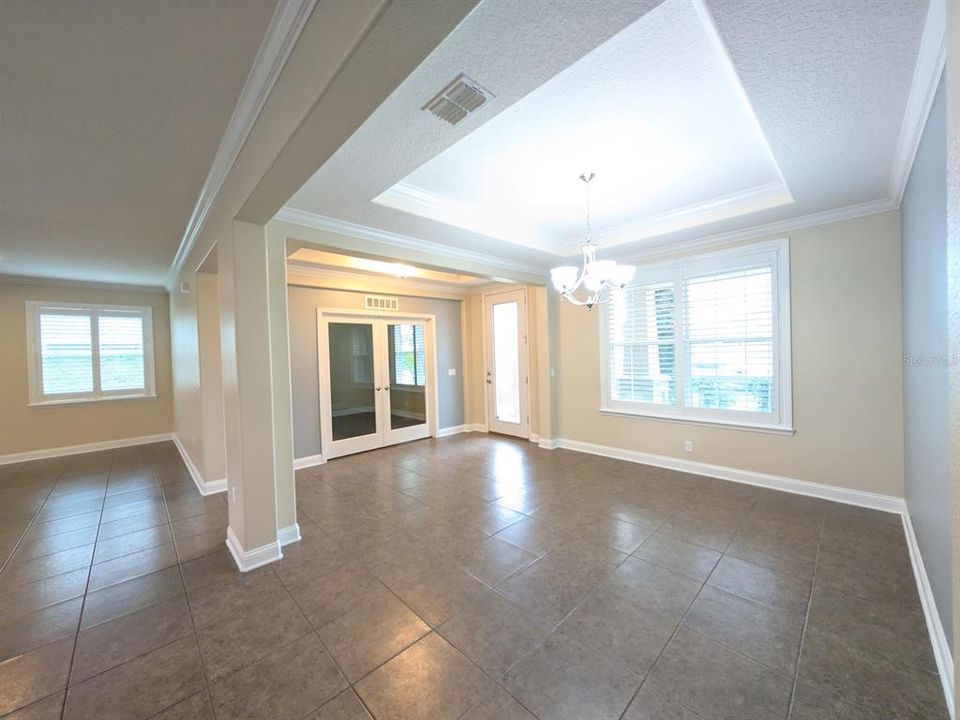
(657, 112)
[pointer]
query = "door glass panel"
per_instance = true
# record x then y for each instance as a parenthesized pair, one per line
(506, 361)
(408, 381)
(352, 395)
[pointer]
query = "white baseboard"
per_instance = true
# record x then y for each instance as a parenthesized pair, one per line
(204, 488)
(247, 560)
(938, 638)
(289, 534)
(886, 503)
(459, 429)
(84, 448)
(875, 501)
(453, 430)
(549, 443)
(308, 461)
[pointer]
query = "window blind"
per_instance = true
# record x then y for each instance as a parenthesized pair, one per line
(728, 318)
(409, 353)
(82, 352)
(66, 353)
(704, 338)
(642, 352)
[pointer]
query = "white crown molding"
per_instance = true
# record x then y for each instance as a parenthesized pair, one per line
(424, 203)
(286, 24)
(926, 77)
(938, 638)
(248, 560)
(64, 450)
(779, 227)
(406, 242)
(204, 488)
(744, 202)
(80, 284)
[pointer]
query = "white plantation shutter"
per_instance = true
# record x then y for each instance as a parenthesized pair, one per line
(642, 344)
(728, 317)
(121, 344)
(88, 352)
(66, 352)
(705, 338)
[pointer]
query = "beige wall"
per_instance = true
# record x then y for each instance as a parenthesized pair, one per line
(847, 372)
(24, 428)
(211, 399)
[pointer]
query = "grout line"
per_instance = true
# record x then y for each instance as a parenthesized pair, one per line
(806, 619)
(86, 590)
(186, 597)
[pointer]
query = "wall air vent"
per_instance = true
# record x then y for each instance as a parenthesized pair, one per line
(458, 99)
(378, 302)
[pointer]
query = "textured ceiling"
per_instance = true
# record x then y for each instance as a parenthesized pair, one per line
(110, 115)
(822, 83)
(656, 112)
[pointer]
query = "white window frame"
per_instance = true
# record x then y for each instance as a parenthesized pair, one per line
(35, 308)
(780, 420)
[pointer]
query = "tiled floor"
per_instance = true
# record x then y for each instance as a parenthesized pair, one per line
(471, 577)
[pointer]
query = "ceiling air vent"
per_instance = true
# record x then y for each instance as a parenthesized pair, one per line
(377, 302)
(458, 99)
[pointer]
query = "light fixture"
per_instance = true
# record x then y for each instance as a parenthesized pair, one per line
(598, 277)
(403, 271)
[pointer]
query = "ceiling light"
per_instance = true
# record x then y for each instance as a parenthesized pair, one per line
(403, 271)
(598, 277)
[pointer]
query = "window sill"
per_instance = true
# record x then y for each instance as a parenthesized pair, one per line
(84, 400)
(723, 424)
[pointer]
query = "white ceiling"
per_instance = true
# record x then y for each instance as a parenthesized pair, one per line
(656, 112)
(698, 116)
(111, 113)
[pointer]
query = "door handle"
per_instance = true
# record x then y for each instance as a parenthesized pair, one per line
(489, 382)
(378, 388)
(387, 387)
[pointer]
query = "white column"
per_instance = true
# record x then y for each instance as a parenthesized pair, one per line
(256, 395)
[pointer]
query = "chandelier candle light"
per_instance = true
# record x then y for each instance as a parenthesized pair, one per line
(598, 277)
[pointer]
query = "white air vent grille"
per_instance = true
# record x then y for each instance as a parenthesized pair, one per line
(378, 302)
(458, 99)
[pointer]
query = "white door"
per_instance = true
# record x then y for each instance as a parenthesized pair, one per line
(376, 382)
(507, 381)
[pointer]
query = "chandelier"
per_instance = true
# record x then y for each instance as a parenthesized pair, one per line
(597, 277)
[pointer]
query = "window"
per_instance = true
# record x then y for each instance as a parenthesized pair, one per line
(361, 348)
(89, 352)
(706, 339)
(408, 353)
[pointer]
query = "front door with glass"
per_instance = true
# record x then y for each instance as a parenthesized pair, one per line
(375, 384)
(506, 363)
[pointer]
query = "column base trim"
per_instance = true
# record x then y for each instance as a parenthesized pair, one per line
(288, 535)
(248, 560)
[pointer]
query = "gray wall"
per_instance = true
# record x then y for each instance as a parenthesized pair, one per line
(926, 414)
(302, 313)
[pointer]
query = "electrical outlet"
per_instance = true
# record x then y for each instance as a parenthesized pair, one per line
(451, 372)
(688, 445)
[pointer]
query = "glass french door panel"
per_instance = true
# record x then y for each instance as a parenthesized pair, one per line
(506, 361)
(408, 384)
(353, 399)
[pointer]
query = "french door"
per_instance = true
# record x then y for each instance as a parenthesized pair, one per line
(505, 322)
(376, 381)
